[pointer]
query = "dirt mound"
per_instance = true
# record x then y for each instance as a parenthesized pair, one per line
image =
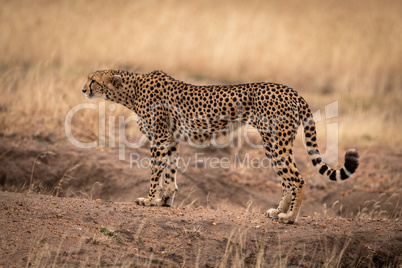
(41, 230)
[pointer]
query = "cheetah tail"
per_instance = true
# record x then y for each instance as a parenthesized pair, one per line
(351, 157)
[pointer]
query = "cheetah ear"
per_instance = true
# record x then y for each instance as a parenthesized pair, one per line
(115, 80)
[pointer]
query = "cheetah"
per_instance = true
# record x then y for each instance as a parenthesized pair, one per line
(170, 110)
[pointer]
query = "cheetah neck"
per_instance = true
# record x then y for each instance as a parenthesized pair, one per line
(127, 93)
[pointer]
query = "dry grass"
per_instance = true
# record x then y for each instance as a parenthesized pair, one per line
(328, 50)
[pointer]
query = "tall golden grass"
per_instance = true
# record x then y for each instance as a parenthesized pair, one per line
(328, 50)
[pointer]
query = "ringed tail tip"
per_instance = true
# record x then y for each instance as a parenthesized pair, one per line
(351, 161)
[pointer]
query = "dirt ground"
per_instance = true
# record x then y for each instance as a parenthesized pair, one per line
(61, 205)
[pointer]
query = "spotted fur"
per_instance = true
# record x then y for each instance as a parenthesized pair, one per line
(170, 110)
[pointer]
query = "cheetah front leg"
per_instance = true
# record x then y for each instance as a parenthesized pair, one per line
(158, 163)
(170, 185)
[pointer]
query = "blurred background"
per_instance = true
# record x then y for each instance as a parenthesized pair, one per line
(346, 51)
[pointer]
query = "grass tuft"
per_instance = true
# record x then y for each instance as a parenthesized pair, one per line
(111, 233)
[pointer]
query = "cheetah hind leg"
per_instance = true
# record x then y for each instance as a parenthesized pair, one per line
(293, 190)
(289, 207)
(292, 215)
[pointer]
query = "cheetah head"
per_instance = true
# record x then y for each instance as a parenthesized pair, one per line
(102, 84)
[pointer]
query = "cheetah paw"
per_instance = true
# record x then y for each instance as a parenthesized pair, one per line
(165, 201)
(272, 213)
(144, 202)
(286, 218)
